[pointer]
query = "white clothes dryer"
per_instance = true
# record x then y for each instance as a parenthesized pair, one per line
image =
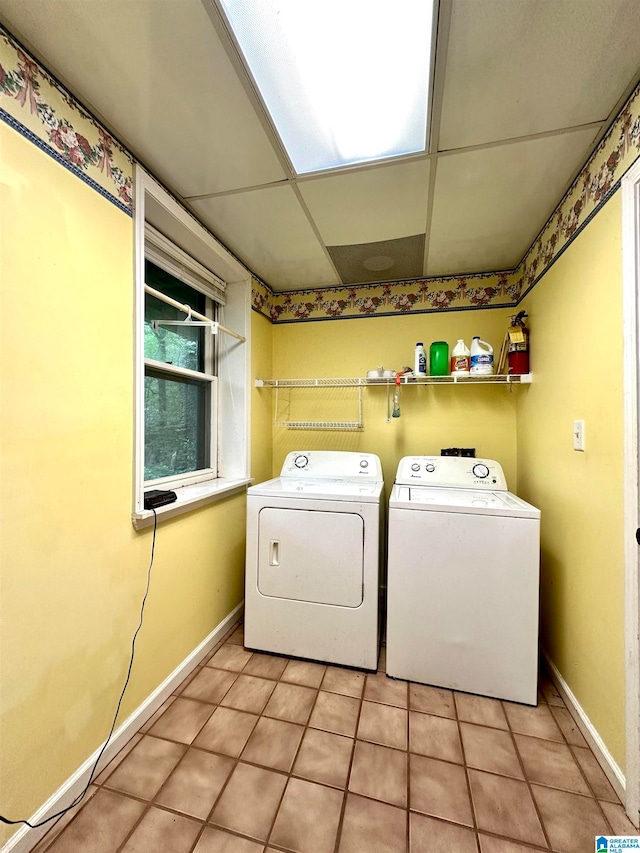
(312, 580)
(463, 579)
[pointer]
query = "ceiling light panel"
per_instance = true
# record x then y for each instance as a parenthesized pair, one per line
(345, 81)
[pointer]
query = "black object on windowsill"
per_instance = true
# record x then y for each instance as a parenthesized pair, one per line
(158, 497)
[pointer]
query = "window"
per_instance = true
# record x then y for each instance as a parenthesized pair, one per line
(179, 383)
(192, 377)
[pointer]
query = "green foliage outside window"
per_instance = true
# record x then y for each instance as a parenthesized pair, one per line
(176, 408)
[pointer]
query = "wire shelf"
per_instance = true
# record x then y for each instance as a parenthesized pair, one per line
(348, 426)
(354, 382)
(491, 379)
(283, 407)
(311, 383)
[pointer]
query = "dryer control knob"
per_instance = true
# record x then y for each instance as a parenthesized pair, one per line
(301, 461)
(480, 471)
(364, 463)
(430, 467)
(415, 467)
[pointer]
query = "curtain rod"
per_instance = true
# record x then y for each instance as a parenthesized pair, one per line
(188, 310)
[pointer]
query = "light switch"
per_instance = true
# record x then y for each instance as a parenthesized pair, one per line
(578, 435)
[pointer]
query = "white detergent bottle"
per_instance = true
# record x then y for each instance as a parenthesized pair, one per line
(420, 367)
(481, 358)
(460, 359)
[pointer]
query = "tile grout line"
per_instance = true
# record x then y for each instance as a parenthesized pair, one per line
(100, 786)
(345, 791)
(589, 785)
(237, 761)
(525, 775)
(570, 747)
(153, 801)
(62, 829)
(408, 836)
(149, 804)
(306, 727)
(467, 777)
(290, 773)
(135, 826)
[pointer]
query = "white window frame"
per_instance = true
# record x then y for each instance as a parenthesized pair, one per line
(231, 465)
(207, 375)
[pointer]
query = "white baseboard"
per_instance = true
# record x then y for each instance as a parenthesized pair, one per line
(610, 767)
(26, 838)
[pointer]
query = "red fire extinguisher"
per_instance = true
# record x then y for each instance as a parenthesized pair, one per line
(518, 355)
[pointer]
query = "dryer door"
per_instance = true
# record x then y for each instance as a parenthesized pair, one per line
(308, 555)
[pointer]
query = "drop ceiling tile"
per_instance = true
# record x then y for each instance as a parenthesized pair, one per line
(159, 75)
(518, 68)
(490, 204)
(269, 231)
(368, 205)
(385, 260)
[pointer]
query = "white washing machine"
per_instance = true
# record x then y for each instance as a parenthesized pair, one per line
(312, 581)
(463, 579)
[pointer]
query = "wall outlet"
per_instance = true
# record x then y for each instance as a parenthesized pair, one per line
(578, 435)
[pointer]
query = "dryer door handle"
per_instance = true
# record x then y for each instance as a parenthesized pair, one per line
(274, 552)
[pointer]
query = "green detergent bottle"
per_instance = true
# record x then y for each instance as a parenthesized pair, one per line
(439, 358)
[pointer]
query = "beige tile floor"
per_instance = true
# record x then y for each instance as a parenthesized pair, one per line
(261, 753)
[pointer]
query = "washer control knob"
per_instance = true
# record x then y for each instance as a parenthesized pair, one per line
(364, 463)
(480, 471)
(415, 466)
(301, 461)
(430, 467)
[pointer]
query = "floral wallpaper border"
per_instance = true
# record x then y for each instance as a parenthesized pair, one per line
(35, 105)
(399, 297)
(597, 181)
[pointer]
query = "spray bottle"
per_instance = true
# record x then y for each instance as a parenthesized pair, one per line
(396, 398)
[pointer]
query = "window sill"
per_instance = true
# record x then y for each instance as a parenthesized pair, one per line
(191, 497)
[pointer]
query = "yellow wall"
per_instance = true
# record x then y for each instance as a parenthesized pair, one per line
(73, 569)
(575, 316)
(431, 417)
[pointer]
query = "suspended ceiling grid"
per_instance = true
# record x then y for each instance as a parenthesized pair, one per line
(523, 91)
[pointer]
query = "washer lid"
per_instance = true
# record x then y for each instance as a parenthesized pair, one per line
(468, 501)
(327, 490)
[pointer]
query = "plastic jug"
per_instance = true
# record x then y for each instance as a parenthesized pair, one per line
(460, 359)
(481, 357)
(420, 368)
(439, 358)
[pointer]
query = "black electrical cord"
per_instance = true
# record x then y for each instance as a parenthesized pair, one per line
(82, 795)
